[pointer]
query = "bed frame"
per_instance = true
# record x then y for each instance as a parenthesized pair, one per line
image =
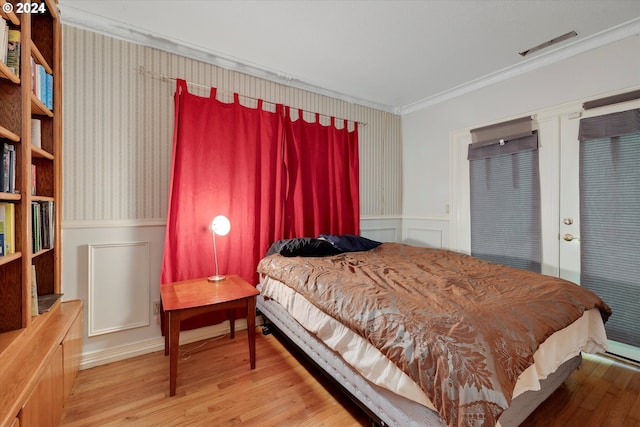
(384, 407)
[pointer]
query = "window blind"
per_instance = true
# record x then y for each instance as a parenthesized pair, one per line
(501, 132)
(610, 217)
(505, 195)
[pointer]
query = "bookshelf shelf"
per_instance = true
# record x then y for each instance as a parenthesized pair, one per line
(6, 73)
(10, 197)
(11, 16)
(10, 258)
(39, 152)
(41, 252)
(38, 108)
(7, 134)
(42, 199)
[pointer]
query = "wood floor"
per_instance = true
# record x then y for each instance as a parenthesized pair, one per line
(216, 388)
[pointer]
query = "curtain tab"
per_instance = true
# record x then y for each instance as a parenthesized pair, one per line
(236, 98)
(213, 92)
(259, 104)
(181, 86)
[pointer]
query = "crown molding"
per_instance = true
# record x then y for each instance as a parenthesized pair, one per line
(614, 34)
(119, 30)
(109, 27)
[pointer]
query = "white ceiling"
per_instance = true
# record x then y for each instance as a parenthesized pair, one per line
(393, 55)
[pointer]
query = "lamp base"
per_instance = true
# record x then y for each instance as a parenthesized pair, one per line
(216, 278)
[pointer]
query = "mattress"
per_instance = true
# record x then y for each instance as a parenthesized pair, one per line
(389, 393)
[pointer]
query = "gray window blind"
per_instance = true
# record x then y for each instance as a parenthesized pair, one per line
(610, 218)
(505, 196)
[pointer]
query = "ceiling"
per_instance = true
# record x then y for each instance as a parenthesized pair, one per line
(392, 55)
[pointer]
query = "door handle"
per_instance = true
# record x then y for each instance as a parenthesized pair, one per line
(569, 237)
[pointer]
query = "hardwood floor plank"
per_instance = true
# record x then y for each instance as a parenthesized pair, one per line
(216, 387)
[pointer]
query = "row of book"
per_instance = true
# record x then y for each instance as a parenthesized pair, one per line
(42, 84)
(8, 176)
(10, 47)
(42, 225)
(7, 228)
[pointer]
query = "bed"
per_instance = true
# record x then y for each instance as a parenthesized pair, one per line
(431, 337)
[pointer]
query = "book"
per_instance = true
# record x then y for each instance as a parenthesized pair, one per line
(45, 226)
(12, 169)
(33, 74)
(33, 180)
(36, 132)
(36, 235)
(9, 227)
(13, 51)
(38, 81)
(8, 177)
(48, 101)
(4, 169)
(4, 39)
(34, 292)
(3, 251)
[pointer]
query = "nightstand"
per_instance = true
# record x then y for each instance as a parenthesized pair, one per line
(188, 298)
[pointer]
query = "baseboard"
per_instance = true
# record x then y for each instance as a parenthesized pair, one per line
(115, 354)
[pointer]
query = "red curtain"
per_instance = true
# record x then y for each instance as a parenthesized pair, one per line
(227, 160)
(323, 194)
(271, 176)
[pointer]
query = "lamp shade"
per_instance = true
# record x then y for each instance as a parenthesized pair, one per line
(221, 225)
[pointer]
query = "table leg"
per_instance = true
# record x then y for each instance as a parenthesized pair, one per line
(251, 330)
(231, 314)
(174, 330)
(166, 333)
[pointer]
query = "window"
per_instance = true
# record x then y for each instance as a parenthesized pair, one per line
(610, 217)
(505, 195)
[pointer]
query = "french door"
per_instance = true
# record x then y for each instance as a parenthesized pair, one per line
(569, 239)
(559, 191)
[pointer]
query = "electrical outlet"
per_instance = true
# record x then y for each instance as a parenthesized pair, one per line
(156, 308)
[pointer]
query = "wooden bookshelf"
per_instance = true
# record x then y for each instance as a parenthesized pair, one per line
(28, 339)
(40, 43)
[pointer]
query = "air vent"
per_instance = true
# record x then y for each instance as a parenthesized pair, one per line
(551, 42)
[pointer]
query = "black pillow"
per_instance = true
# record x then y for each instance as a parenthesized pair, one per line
(276, 246)
(351, 242)
(303, 246)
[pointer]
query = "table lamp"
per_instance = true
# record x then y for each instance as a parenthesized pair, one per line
(220, 226)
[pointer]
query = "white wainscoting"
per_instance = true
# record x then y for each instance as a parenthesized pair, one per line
(118, 292)
(97, 268)
(381, 229)
(426, 231)
(118, 277)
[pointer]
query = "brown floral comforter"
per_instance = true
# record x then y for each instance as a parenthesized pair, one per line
(462, 328)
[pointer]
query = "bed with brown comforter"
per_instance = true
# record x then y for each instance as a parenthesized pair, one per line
(463, 329)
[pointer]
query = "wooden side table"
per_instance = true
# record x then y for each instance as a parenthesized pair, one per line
(182, 300)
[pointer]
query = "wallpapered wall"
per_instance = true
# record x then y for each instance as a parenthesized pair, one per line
(118, 124)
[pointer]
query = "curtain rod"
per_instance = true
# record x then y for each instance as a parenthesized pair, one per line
(141, 70)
